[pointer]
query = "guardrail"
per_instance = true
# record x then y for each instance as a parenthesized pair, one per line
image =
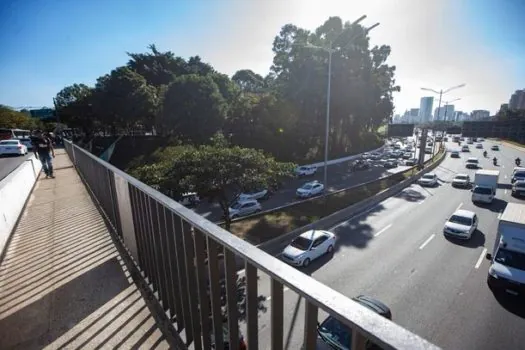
(177, 250)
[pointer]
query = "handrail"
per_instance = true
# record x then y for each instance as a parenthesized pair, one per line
(362, 321)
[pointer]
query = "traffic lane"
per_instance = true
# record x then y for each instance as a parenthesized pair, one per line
(480, 320)
(339, 177)
(10, 163)
(355, 265)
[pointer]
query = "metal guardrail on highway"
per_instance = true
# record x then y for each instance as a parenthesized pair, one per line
(177, 252)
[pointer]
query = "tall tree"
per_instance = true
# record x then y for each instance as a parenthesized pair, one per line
(124, 99)
(248, 81)
(193, 108)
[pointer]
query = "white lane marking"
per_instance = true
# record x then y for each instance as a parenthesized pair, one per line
(427, 241)
(506, 177)
(421, 202)
(459, 206)
(268, 298)
(503, 166)
(506, 191)
(382, 230)
(480, 259)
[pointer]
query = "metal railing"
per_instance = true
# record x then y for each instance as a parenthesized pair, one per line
(178, 253)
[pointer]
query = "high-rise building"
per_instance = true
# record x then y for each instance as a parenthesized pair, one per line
(425, 109)
(517, 100)
(445, 112)
(480, 114)
(414, 115)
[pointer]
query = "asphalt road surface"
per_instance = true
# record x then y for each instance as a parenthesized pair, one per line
(435, 287)
(10, 163)
(339, 177)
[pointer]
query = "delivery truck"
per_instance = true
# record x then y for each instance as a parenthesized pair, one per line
(507, 261)
(485, 185)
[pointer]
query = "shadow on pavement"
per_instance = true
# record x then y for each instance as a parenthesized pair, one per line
(513, 304)
(356, 232)
(411, 195)
(316, 264)
(497, 205)
(504, 186)
(477, 240)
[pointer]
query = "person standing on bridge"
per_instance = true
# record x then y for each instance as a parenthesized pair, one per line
(43, 149)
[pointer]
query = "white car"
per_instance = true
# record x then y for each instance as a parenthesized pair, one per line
(429, 179)
(243, 208)
(495, 148)
(310, 189)
(306, 170)
(308, 247)
(190, 199)
(461, 180)
(12, 147)
(262, 193)
(465, 148)
(479, 145)
(461, 224)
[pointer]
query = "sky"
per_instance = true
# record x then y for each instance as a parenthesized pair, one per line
(49, 44)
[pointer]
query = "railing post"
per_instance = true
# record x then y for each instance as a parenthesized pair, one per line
(310, 324)
(277, 315)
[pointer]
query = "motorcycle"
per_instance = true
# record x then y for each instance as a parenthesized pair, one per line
(485, 154)
(495, 161)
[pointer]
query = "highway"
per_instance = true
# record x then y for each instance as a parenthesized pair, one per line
(434, 286)
(10, 163)
(339, 177)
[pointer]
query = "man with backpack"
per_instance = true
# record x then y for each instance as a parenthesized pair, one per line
(43, 149)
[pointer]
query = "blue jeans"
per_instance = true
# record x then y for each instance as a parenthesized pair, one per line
(47, 165)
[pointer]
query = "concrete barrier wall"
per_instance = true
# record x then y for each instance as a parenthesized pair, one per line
(15, 189)
(276, 245)
(343, 159)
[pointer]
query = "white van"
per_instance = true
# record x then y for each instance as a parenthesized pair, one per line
(507, 269)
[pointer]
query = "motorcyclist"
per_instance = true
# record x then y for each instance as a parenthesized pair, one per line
(518, 161)
(495, 160)
(485, 154)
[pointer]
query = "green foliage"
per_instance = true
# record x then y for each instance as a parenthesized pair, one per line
(283, 113)
(193, 108)
(9, 118)
(213, 170)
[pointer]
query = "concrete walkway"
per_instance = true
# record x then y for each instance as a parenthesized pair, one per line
(63, 284)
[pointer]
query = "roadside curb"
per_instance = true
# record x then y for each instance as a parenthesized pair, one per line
(511, 145)
(275, 245)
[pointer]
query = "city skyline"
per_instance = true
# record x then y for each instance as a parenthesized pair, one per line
(235, 34)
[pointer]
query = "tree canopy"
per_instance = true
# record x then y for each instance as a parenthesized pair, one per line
(12, 119)
(282, 113)
(215, 170)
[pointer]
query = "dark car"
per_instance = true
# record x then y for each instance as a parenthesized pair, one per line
(390, 163)
(360, 165)
(332, 334)
(518, 188)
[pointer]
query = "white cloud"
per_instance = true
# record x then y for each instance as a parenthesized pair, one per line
(431, 44)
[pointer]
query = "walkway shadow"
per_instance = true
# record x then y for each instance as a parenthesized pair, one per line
(91, 317)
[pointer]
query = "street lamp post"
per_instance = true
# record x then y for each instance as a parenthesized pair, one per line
(447, 103)
(330, 51)
(441, 93)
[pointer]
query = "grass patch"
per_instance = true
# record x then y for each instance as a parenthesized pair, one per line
(260, 229)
